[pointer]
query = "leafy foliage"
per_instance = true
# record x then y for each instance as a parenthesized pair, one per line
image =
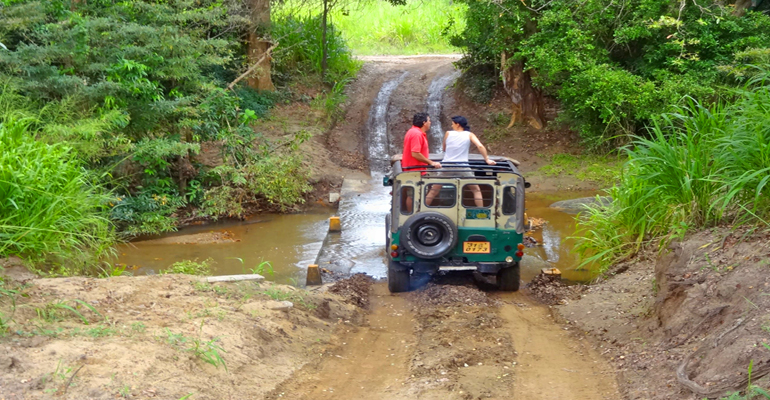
(126, 93)
(616, 64)
(300, 38)
(700, 166)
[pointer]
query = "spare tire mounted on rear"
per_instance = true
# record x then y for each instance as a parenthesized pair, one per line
(429, 235)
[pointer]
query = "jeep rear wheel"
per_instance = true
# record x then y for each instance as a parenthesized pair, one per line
(509, 278)
(429, 235)
(398, 281)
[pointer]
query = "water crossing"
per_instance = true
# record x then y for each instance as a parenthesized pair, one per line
(379, 157)
(435, 94)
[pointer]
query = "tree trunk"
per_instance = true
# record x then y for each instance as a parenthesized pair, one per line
(258, 45)
(527, 100)
(324, 47)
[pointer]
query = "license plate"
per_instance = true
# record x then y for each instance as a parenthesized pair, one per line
(475, 247)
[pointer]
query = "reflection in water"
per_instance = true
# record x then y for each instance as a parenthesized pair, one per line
(555, 247)
(290, 242)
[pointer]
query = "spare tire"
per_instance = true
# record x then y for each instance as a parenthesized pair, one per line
(429, 235)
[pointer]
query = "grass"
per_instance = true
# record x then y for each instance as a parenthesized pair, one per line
(56, 311)
(604, 170)
(207, 351)
(190, 267)
(698, 167)
(369, 28)
(752, 391)
(51, 209)
(295, 296)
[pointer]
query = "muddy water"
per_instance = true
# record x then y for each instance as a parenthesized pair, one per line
(288, 242)
(554, 246)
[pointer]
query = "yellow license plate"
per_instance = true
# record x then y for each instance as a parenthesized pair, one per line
(475, 247)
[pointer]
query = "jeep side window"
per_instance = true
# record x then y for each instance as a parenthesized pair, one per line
(478, 196)
(509, 200)
(406, 199)
(442, 195)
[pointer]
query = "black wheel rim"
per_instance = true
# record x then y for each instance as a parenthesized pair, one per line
(429, 234)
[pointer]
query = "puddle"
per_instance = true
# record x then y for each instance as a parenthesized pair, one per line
(290, 242)
(554, 248)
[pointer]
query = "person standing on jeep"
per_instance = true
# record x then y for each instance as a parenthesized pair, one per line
(416, 143)
(416, 147)
(457, 142)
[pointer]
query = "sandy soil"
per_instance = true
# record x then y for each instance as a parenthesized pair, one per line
(149, 337)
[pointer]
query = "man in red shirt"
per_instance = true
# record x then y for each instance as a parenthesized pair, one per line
(416, 143)
(416, 152)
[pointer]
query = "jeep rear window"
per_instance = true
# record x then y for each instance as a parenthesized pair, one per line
(407, 199)
(509, 200)
(486, 194)
(444, 195)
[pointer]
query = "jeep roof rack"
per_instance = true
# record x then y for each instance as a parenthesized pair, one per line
(475, 162)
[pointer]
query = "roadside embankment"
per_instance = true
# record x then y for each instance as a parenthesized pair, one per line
(690, 323)
(160, 336)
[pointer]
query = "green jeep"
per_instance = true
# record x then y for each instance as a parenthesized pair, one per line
(464, 216)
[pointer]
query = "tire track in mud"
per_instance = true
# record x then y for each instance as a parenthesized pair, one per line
(453, 341)
(552, 363)
(369, 362)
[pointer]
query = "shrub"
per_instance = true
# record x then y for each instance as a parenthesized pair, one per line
(300, 49)
(50, 206)
(278, 181)
(614, 66)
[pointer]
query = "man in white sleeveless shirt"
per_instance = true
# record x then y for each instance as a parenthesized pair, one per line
(457, 143)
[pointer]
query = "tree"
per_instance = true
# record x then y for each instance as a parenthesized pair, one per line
(259, 45)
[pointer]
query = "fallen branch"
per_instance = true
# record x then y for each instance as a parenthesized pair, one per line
(69, 382)
(252, 68)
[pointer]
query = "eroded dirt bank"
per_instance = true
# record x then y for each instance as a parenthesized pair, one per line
(685, 324)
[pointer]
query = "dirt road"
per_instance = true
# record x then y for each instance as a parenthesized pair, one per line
(453, 341)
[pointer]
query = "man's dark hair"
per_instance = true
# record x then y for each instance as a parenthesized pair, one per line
(420, 119)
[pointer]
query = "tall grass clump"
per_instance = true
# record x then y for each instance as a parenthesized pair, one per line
(50, 208)
(699, 166)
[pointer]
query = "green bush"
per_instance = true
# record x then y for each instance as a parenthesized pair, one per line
(278, 181)
(700, 166)
(50, 206)
(300, 49)
(615, 65)
(133, 88)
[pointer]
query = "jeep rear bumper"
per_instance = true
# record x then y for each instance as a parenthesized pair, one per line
(430, 268)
